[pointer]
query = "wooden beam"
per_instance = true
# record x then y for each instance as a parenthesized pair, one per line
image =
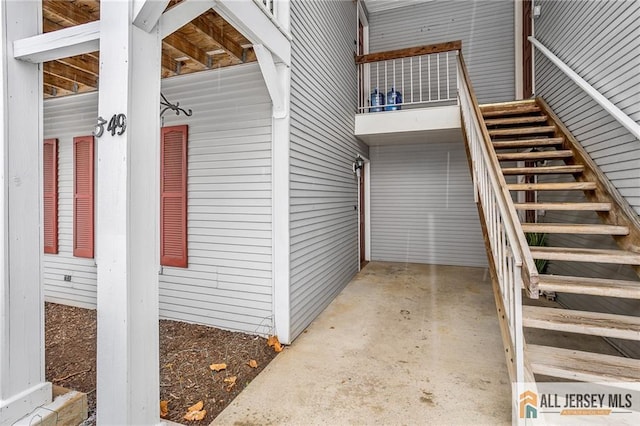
(218, 35)
(86, 63)
(127, 206)
(69, 12)
(70, 41)
(181, 14)
(252, 22)
(59, 82)
(146, 13)
(70, 73)
(22, 380)
(180, 43)
(169, 64)
(410, 51)
(272, 80)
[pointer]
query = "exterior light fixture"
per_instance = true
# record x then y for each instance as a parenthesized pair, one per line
(358, 164)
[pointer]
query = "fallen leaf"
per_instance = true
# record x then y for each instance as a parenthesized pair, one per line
(164, 408)
(272, 340)
(278, 347)
(253, 363)
(196, 407)
(231, 382)
(195, 415)
(218, 367)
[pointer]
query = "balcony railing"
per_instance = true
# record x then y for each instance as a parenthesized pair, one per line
(406, 78)
(266, 5)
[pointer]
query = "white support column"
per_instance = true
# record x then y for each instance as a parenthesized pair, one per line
(127, 220)
(22, 380)
(280, 181)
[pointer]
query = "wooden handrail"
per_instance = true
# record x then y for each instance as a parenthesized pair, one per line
(409, 51)
(529, 268)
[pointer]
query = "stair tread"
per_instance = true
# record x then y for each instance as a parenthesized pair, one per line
(545, 170)
(502, 112)
(582, 322)
(592, 286)
(600, 207)
(574, 228)
(573, 254)
(532, 156)
(516, 120)
(526, 143)
(583, 366)
(522, 130)
(553, 186)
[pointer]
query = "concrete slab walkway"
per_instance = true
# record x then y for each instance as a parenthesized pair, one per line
(403, 344)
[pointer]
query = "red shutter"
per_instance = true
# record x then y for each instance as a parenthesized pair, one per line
(50, 187)
(173, 196)
(83, 196)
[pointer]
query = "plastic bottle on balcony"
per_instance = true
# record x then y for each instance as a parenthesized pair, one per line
(377, 100)
(394, 100)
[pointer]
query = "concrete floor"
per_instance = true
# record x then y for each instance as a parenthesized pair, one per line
(402, 344)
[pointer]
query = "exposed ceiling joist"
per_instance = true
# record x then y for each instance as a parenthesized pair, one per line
(196, 46)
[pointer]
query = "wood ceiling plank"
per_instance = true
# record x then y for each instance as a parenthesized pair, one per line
(183, 45)
(217, 34)
(71, 73)
(59, 82)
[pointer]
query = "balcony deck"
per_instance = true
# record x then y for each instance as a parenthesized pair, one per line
(435, 123)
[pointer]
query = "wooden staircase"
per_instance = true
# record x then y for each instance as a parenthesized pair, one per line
(530, 142)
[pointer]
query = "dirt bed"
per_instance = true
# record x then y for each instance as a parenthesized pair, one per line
(186, 352)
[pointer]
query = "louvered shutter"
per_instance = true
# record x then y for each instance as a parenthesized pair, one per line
(173, 197)
(50, 188)
(83, 196)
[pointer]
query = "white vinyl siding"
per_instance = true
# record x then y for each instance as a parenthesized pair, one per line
(486, 29)
(600, 40)
(228, 281)
(324, 190)
(422, 208)
(65, 118)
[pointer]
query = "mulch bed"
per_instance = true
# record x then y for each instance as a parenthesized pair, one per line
(186, 351)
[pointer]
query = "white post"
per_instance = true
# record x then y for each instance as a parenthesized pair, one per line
(280, 197)
(22, 385)
(127, 219)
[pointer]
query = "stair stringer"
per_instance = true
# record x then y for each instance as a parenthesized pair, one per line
(621, 212)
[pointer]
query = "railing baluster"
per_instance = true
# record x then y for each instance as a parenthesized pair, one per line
(438, 70)
(447, 56)
(412, 78)
(429, 75)
(420, 76)
(411, 75)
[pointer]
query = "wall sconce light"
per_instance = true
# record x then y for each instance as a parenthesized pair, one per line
(358, 164)
(536, 11)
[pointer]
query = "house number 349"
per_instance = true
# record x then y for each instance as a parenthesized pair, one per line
(117, 124)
